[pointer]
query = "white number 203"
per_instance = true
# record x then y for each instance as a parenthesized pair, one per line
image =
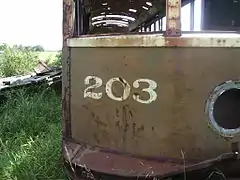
(97, 83)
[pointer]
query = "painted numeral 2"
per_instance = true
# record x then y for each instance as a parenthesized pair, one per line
(88, 92)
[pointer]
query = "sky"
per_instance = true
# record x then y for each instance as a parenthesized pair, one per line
(31, 22)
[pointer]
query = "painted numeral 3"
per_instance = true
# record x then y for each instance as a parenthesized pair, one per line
(152, 85)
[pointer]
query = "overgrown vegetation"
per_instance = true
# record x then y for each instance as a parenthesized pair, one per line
(55, 59)
(15, 61)
(19, 60)
(38, 48)
(29, 125)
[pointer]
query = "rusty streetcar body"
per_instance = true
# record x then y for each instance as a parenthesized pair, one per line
(148, 105)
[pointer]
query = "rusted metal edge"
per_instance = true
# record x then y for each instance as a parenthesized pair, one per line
(68, 29)
(158, 40)
(83, 160)
(115, 163)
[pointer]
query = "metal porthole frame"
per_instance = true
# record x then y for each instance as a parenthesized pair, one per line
(214, 95)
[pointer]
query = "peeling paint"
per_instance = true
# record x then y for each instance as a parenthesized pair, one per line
(158, 40)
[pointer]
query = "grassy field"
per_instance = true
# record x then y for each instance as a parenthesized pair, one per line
(30, 136)
(29, 125)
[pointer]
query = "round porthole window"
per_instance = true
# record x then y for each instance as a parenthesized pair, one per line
(223, 109)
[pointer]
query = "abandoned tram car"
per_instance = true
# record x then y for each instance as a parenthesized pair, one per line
(151, 89)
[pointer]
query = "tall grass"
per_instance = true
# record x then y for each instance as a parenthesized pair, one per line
(30, 136)
(29, 124)
(15, 61)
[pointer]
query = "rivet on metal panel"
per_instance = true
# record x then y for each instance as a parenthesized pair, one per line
(173, 18)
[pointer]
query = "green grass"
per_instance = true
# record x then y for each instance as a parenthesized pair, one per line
(30, 136)
(50, 57)
(29, 123)
(18, 62)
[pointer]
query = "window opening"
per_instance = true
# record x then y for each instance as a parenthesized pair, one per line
(125, 16)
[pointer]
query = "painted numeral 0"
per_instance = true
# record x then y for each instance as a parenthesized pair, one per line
(126, 89)
(152, 85)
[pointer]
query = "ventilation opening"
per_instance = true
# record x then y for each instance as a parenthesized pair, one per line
(226, 109)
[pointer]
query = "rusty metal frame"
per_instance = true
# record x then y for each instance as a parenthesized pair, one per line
(173, 18)
(68, 30)
(158, 40)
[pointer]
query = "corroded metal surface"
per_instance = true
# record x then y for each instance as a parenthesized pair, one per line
(68, 28)
(158, 40)
(116, 114)
(68, 19)
(105, 161)
(162, 121)
(134, 108)
(94, 163)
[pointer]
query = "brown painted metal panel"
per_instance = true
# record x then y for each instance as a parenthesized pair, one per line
(175, 122)
(122, 115)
